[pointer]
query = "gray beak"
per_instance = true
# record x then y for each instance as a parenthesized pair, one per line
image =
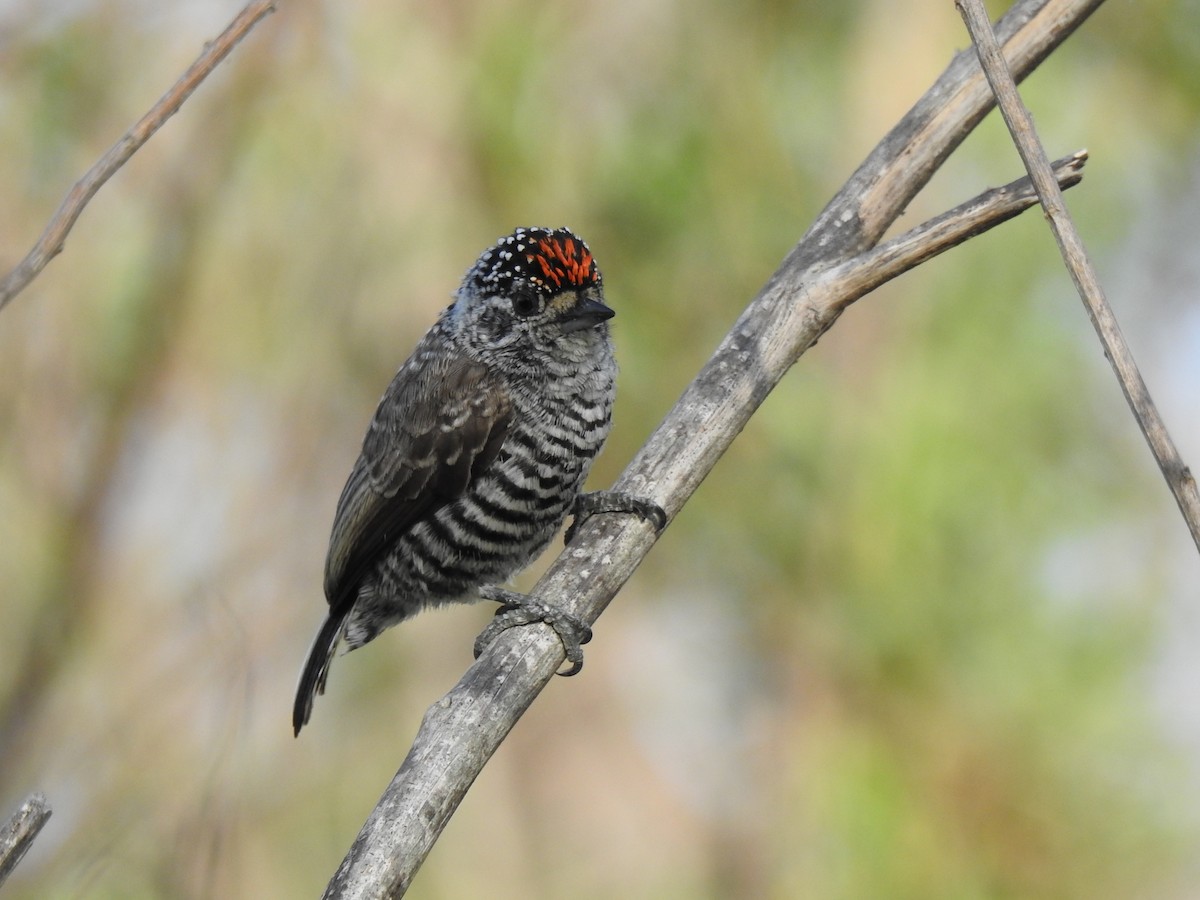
(585, 314)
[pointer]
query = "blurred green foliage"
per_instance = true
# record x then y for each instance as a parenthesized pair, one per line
(864, 661)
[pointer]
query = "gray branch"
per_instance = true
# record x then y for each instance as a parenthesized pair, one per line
(1020, 125)
(860, 275)
(801, 300)
(54, 236)
(17, 834)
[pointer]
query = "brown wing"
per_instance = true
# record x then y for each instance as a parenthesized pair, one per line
(438, 426)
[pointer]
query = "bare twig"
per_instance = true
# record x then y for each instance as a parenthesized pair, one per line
(461, 731)
(50, 244)
(867, 271)
(1033, 154)
(17, 834)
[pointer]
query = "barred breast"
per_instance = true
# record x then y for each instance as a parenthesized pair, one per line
(506, 518)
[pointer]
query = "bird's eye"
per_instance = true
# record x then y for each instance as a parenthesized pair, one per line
(526, 304)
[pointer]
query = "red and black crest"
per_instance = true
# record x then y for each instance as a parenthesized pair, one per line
(550, 260)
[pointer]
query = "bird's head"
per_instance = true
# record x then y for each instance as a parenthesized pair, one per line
(535, 290)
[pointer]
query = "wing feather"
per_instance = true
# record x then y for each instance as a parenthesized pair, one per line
(438, 426)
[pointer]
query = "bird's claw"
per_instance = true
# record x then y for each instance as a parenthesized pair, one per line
(587, 505)
(518, 609)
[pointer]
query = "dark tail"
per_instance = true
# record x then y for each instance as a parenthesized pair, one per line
(316, 669)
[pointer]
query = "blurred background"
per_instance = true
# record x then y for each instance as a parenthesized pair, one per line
(929, 628)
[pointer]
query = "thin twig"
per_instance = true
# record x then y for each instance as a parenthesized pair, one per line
(462, 730)
(50, 244)
(1033, 154)
(867, 271)
(17, 834)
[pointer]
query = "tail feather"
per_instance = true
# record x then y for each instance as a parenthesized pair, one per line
(316, 668)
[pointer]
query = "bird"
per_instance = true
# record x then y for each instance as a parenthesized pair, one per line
(477, 453)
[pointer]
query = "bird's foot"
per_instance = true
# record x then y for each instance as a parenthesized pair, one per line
(587, 505)
(519, 609)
